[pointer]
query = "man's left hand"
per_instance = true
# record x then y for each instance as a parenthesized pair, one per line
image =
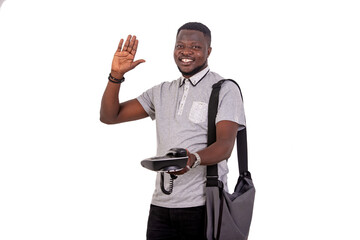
(190, 162)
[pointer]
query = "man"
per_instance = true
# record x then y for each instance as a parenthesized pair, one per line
(180, 108)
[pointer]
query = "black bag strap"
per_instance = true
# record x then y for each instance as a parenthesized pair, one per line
(241, 139)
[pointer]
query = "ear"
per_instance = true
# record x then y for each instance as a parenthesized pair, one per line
(209, 51)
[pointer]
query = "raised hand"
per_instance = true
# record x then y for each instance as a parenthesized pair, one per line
(123, 60)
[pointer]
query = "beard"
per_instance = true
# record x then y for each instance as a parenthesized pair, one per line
(194, 71)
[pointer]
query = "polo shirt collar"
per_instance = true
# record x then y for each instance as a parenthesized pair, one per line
(196, 78)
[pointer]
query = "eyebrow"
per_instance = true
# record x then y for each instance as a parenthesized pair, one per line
(193, 42)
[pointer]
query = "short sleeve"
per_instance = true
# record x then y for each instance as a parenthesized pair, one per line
(231, 106)
(146, 99)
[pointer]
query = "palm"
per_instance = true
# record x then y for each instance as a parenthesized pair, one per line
(123, 60)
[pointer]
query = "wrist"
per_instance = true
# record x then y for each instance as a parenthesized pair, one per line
(196, 160)
(117, 75)
(192, 159)
(115, 80)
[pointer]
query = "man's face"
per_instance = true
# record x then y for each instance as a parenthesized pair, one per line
(191, 52)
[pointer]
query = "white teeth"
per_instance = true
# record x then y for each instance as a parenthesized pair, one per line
(186, 60)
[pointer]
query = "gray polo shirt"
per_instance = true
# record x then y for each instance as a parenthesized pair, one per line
(180, 108)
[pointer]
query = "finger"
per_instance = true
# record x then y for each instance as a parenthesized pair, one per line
(137, 62)
(120, 45)
(179, 172)
(127, 42)
(132, 43)
(182, 171)
(134, 49)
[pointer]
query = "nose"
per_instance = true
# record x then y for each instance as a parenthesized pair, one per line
(187, 50)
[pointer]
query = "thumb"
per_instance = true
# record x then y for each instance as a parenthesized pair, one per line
(137, 62)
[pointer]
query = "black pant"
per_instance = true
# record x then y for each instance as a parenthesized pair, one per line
(176, 223)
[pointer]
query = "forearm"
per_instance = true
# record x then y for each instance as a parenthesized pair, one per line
(215, 153)
(110, 106)
(221, 149)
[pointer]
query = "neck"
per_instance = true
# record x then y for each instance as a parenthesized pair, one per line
(193, 72)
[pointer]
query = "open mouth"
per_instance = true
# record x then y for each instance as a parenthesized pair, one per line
(186, 60)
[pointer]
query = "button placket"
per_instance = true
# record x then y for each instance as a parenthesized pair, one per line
(183, 99)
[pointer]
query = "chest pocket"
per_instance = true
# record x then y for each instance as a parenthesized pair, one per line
(198, 112)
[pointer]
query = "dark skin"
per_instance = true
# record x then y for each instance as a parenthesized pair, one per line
(191, 52)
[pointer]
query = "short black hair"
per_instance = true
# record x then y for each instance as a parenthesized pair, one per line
(198, 27)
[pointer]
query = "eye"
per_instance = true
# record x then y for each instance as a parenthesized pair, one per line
(196, 47)
(179, 46)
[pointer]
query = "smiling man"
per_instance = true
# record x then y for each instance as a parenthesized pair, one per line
(180, 108)
(194, 59)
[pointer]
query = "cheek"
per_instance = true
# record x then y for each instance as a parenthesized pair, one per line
(176, 54)
(201, 56)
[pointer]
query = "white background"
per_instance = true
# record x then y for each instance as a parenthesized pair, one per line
(65, 175)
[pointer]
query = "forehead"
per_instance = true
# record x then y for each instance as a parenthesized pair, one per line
(190, 36)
